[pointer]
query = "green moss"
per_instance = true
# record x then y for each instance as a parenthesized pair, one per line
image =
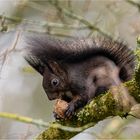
(137, 77)
(138, 41)
(98, 109)
(54, 133)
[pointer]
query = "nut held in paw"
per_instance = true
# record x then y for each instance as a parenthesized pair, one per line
(60, 107)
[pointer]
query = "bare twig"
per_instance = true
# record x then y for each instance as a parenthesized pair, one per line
(60, 35)
(97, 21)
(53, 33)
(86, 6)
(23, 119)
(59, 13)
(44, 24)
(79, 18)
(69, 3)
(13, 46)
(3, 27)
(72, 15)
(134, 3)
(42, 123)
(4, 54)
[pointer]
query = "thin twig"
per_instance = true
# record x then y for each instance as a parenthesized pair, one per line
(44, 24)
(3, 27)
(4, 54)
(134, 3)
(60, 35)
(86, 6)
(59, 13)
(79, 18)
(54, 34)
(69, 3)
(13, 46)
(42, 123)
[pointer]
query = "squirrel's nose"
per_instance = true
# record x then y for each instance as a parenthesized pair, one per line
(52, 96)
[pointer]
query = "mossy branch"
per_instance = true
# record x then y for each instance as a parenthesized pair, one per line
(100, 108)
(41, 123)
(23, 119)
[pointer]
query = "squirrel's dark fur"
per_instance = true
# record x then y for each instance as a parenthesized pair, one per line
(75, 61)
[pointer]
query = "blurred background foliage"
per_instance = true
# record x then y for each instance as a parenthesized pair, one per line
(20, 88)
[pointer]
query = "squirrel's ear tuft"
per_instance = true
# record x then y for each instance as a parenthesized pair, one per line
(40, 50)
(56, 68)
(35, 63)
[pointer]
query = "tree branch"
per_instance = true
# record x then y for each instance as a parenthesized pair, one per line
(100, 108)
(136, 4)
(79, 18)
(44, 24)
(42, 123)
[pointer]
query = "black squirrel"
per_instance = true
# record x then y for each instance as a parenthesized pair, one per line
(77, 70)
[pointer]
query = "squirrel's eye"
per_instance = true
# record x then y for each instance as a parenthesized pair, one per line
(54, 82)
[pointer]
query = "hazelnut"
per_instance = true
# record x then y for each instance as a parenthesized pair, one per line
(60, 107)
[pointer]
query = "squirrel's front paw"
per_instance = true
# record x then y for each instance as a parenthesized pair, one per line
(69, 111)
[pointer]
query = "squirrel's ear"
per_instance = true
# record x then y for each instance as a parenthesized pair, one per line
(56, 68)
(40, 69)
(36, 64)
